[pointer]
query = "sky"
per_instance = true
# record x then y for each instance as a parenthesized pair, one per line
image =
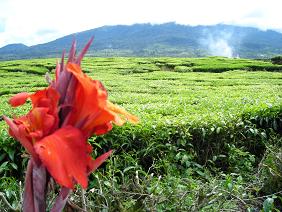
(33, 22)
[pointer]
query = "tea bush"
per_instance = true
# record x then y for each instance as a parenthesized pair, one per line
(208, 138)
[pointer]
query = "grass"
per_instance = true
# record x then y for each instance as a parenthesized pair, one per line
(208, 139)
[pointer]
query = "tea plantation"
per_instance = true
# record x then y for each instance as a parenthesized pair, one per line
(209, 137)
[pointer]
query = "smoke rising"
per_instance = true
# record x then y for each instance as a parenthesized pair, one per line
(220, 47)
(219, 44)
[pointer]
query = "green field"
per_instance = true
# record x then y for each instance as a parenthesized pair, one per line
(209, 136)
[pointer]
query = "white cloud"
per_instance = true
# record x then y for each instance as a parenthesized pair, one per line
(27, 20)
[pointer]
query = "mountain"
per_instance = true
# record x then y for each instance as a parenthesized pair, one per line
(168, 39)
(10, 51)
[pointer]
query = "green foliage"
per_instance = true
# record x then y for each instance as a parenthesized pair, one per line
(214, 64)
(11, 160)
(277, 60)
(268, 205)
(206, 125)
(271, 169)
(10, 191)
(240, 161)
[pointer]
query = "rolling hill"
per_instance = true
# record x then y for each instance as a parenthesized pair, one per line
(168, 39)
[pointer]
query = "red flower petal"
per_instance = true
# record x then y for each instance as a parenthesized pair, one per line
(98, 161)
(18, 99)
(91, 111)
(116, 110)
(89, 106)
(65, 154)
(18, 132)
(40, 122)
(48, 98)
(102, 129)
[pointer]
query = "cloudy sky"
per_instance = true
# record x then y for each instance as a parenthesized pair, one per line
(37, 21)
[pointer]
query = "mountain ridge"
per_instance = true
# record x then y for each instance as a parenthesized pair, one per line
(169, 39)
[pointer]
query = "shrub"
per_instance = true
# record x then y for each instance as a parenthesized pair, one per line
(271, 170)
(277, 60)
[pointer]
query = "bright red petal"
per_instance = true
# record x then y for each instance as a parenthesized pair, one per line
(98, 161)
(91, 111)
(40, 122)
(117, 111)
(48, 98)
(102, 129)
(89, 108)
(65, 154)
(18, 132)
(18, 99)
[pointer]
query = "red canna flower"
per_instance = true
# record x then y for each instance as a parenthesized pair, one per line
(41, 121)
(66, 155)
(90, 109)
(62, 118)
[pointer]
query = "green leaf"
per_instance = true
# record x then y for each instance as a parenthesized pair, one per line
(14, 166)
(268, 204)
(2, 156)
(107, 183)
(128, 168)
(178, 155)
(230, 186)
(4, 166)
(263, 134)
(184, 158)
(201, 173)
(275, 126)
(11, 153)
(261, 122)
(203, 132)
